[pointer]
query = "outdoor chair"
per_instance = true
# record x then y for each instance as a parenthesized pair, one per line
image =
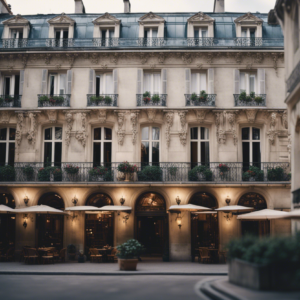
(8, 256)
(30, 255)
(48, 258)
(204, 255)
(61, 255)
(112, 257)
(95, 256)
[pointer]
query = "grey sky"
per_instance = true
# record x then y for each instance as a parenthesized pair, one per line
(114, 6)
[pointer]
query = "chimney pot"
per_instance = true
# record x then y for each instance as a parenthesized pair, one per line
(79, 7)
(127, 6)
(219, 6)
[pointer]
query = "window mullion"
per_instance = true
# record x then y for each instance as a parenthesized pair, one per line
(102, 145)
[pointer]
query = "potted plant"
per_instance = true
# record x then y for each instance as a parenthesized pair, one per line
(71, 249)
(28, 171)
(7, 173)
(43, 99)
(253, 174)
(59, 99)
(150, 173)
(173, 172)
(72, 172)
(57, 174)
(108, 100)
(252, 95)
(98, 173)
(258, 99)
(9, 99)
(203, 96)
(243, 96)
(276, 174)
(128, 254)
(146, 97)
(155, 99)
(127, 169)
(52, 101)
(194, 97)
(223, 169)
(248, 99)
(200, 173)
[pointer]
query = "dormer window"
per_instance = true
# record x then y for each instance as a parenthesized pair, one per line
(200, 32)
(151, 32)
(61, 33)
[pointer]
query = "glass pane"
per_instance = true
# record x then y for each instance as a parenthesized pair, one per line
(97, 85)
(256, 134)
(57, 34)
(246, 156)
(3, 134)
(155, 152)
(145, 152)
(145, 133)
(12, 134)
(57, 152)
(202, 82)
(48, 134)
(17, 85)
(111, 34)
(58, 133)
(3, 153)
(252, 33)
(242, 82)
(107, 152)
(204, 133)
(11, 153)
(62, 84)
(256, 152)
(194, 133)
(7, 86)
(47, 152)
(107, 134)
(204, 152)
(154, 33)
(244, 33)
(103, 34)
(52, 78)
(155, 134)
(97, 134)
(97, 154)
(156, 83)
(109, 84)
(204, 33)
(66, 34)
(245, 133)
(196, 33)
(147, 82)
(252, 83)
(194, 154)
(195, 88)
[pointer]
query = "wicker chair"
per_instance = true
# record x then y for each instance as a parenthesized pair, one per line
(95, 256)
(112, 257)
(204, 255)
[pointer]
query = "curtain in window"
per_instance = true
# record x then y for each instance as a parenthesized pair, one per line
(109, 84)
(154, 33)
(156, 84)
(147, 82)
(62, 84)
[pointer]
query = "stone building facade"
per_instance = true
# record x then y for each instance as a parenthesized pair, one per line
(194, 100)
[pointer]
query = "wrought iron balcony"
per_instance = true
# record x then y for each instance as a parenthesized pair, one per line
(151, 100)
(102, 100)
(54, 100)
(249, 42)
(250, 100)
(60, 43)
(217, 173)
(151, 42)
(10, 101)
(200, 42)
(14, 43)
(107, 42)
(200, 100)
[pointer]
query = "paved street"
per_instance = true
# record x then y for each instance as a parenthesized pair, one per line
(20, 287)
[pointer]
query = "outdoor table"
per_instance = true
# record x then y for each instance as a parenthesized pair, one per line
(213, 254)
(104, 253)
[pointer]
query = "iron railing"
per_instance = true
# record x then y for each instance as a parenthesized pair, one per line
(250, 100)
(60, 43)
(151, 100)
(200, 42)
(107, 42)
(200, 100)
(62, 100)
(14, 43)
(249, 42)
(151, 42)
(102, 100)
(10, 100)
(146, 172)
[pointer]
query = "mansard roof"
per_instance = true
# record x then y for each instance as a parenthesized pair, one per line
(248, 18)
(62, 19)
(17, 20)
(106, 18)
(151, 17)
(200, 17)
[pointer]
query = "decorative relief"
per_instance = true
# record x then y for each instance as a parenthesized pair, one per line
(121, 131)
(272, 133)
(231, 117)
(69, 125)
(5, 117)
(187, 58)
(220, 123)
(284, 119)
(114, 58)
(31, 133)
(169, 116)
(52, 116)
(238, 57)
(151, 113)
(71, 58)
(24, 59)
(161, 57)
(82, 135)
(275, 57)
(46, 57)
(183, 131)
(289, 145)
(251, 115)
(201, 114)
(102, 116)
(20, 121)
(134, 122)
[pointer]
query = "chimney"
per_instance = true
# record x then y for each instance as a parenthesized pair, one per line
(79, 7)
(127, 6)
(219, 6)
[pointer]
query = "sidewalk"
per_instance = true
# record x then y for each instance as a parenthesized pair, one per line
(87, 268)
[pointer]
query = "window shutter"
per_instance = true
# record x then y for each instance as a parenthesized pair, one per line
(261, 74)
(91, 81)
(247, 80)
(236, 78)
(69, 83)
(139, 81)
(164, 81)
(211, 81)
(1, 84)
(22, 77)
(115, 79)
(188, 76)
(44, 82)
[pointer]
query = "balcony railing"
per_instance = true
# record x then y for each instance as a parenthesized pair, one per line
(60, 43)
(250, 100)
(54, 100)
(200, 100)
(15, 43)
(10, 101)
(274, 43)
(249, 42)
(151, 100)
(159, 172)
(102, 100)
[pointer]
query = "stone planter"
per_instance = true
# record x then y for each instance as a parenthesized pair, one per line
(201, 177)
(127, 177)
(97, 178)
(252, 179)
(127, 264)
(73, 177)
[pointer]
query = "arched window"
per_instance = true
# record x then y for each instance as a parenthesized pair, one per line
(254, 200)
(150, 147)
(199, 145)
(53, 145)
(53, 200)
(99, 200)
(8, 200)
(7, 145)
(251, 147)
(102, 145)
(151, 202)
(204, 199)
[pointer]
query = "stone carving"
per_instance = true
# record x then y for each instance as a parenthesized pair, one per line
(114, 58)
(201, 114)
(274, 57)
(187, 58)
(249, 17)
(69, 125)
(231, 117)
(20, 120)
(209, 57)
(121, 131)
(150, 17)
(16, 20)
(52, 116)
(220, 122)
(169, 116)
(144, 57)
(63, 18)
(183, 131)
(259, 57)
(251, 115)
(106, 19)
(31, 133)
(5, 117)
(46, 57)
(200, 16)
(102, 116)
(284, 119)
(238, 57)
(24, 59)
(272, 133)
(71, 58)
(161, 57)
(82, 135)
(289, 145)
(151, 113)
(94, 58)
(134, 122)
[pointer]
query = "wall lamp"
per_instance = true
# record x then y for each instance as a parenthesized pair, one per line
(178, 201)
(75, 200)
(26, 200)
(178, 220)
(125, 218)
(122, 200)
(73, 216)
(25, 218)
(228, 215)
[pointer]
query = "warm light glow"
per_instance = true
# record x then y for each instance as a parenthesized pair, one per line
(178, 220)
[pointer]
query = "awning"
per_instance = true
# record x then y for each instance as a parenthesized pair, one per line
(264, 214)
(234, 208)
(295, 214)
(82, 208)
(188, 207)
(5, 209)
(39, 209)
(115, 208)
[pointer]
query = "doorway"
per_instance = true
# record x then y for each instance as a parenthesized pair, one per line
(152, 229)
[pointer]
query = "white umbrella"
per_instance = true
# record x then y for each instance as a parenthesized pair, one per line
(264, 214)
(82, 208)
(39, 209)
(234, 208)
(205, 213)
(188, 207)
(295, 214)
(115, 208)
(5, 209)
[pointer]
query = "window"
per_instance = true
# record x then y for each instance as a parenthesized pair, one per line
(199, 146)
(17, 35)
(53, 145)
(104, 84)
(107, 33)
(251, 147)
(11, 85)
(198, 82)
(248, 32)
(247, 82)
(57, 84)
(200, 32)
(152, 82)
(150, 33)
(61, 37)
(150, 145)
(102, 146)
(7, 146)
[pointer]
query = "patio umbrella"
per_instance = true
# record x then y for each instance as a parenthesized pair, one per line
(205, 213)
(264, 214)
(295, 214)
(40, 209)
(82, 208)
(188, 207)
(115, 208)
(5, 209)
(234, 208)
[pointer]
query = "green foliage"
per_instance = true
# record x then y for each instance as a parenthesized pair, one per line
(96, 99)
(248, 99)
(203, 96)
(253, 172)
(9, 98)
(150, 173)
(252, 95)
(194, 97)
(7, 173)
(58, 99)
(70, 169)
(243, 96)
(155, 98)
(108, 100)
(276, 174)
(173, 171)
(43, 98)
(1, 100)
(129, 250)
(206, 171)
(258, 99)
(44, 173)
(28, 170)
(146, 95)
(126, 167)
(98, 171)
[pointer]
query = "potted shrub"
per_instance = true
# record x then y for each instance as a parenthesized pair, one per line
(57, 174)
(252, 95)
(173, 172)
(203, 96)
(248, 99)
(71, 249)
(7, 173)
(52, 101)
(223, 169)
(127, 169)
(155, 99)
(72, 172)
(258, 99)
(9, 98)
(146, 97)
(128, 254)
(243, 96)
(28, 171)
(150, 173)
(253, 174)
(98, 173)
(1, 100)
(200, 173)
(43, 99)
(276, 174)
(108, 100)
(194, 97)
(59, 99)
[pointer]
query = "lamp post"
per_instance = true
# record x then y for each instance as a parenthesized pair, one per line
(25, 218)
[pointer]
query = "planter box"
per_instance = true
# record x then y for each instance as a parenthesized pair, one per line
(127, 264)
(258, 277)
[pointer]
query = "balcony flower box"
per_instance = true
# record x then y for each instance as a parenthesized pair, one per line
(155, 99)
(200, 173)
(253, 174)
(127, 169)
(107, 100)
(28, 172)
(72, 172)
(203, 96)
(98, 173)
